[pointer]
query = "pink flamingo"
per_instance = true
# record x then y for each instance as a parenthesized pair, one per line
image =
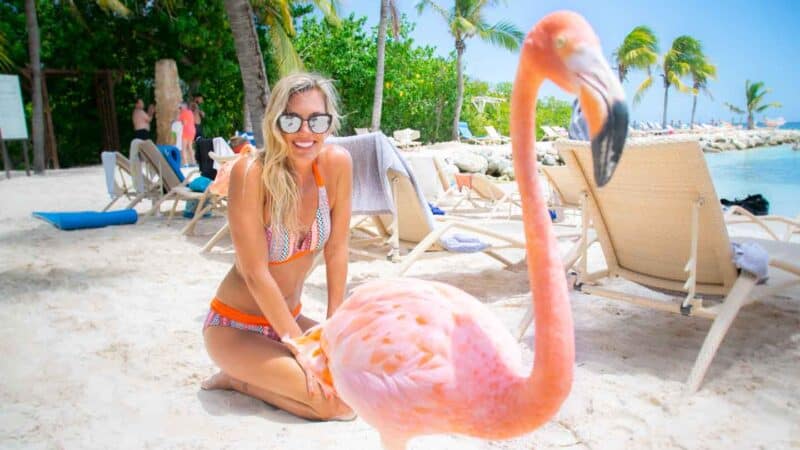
(415, 357)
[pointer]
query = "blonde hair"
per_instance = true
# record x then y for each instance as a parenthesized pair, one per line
(278, 174)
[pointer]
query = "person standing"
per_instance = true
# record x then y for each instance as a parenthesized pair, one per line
(187, 120)
(141, 120)
(199, 114)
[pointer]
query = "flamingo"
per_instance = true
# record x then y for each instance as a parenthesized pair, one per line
(415, 357)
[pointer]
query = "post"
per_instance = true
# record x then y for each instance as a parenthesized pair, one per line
(25, 157)
(6, 160)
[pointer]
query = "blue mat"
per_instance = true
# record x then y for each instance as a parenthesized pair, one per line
(87, 219)
(173, 157)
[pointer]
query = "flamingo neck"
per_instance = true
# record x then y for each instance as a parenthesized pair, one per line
(551, 376)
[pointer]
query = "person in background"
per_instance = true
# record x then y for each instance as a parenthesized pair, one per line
(199, 114)
(141, 120)
(187, 120)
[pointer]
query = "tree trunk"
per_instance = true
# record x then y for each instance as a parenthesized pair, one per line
(460, 46)
(377, 100)
(750, 122)
(251, 63)
(664, 115)
(694, 108)
(247, 122)
(168, 97)
(37, 119)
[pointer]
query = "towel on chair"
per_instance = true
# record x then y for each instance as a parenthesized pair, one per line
(109, 164)
(751, 258)
(136, 166)
(373, 155)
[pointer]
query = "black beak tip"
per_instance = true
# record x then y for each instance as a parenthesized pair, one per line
(608, 144)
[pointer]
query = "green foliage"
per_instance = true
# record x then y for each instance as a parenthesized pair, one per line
(195, 34)
(549, 110)
(754, 93)
(419, 87)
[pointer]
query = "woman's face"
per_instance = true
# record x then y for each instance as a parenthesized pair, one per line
(305, 144)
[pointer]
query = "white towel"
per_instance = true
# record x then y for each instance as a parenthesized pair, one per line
(136, 166)
(109, 165)
(373, 155)
(221, 148)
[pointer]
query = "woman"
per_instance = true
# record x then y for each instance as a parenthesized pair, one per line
(284, 206)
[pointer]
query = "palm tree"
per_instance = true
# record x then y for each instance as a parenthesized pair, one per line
(639, 50)
(37, 119)
(34, 53)
(701, 70)
(466, 20)
(677, 62)
(388, 10)
(277, 15)
(754, 94)
(251, 63)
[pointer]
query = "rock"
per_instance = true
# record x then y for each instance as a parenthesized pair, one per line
(496, 165)
(470, 162)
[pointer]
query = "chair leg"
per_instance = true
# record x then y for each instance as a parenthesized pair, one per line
(111, 203)
(727, 313)
(216, 238)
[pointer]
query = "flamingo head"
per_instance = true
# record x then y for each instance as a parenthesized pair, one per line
(563, 48)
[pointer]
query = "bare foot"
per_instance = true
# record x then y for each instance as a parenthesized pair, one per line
(220, 380)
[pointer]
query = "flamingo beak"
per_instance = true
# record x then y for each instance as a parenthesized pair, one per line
(603, 103)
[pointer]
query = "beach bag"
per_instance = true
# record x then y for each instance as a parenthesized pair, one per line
(755, 203)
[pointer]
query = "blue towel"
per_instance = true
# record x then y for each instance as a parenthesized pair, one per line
(200, 184)
(173, 157)
(436, 210)
(463, 243)
(87, 219)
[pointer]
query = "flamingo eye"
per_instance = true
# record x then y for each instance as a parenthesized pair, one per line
(560, 42)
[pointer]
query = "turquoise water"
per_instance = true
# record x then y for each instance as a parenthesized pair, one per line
(773, 172)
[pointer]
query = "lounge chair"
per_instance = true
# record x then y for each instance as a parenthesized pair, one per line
(775, 227)
(549, 134)
(660, 225)
(483, 192)
(567, 192)
(406, 138)
(497, 137)
(173, 183)
(390, 208)
(119, 179)
(466, 135)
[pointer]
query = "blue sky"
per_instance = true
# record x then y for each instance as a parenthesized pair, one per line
(746, 40)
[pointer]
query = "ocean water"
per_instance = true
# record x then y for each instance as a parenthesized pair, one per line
(773, 172)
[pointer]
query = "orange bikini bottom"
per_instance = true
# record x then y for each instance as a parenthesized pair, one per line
(222, 315)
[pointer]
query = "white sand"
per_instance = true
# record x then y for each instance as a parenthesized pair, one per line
(102, 348)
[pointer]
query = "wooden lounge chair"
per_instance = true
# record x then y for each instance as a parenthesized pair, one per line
(414, 224)
(482, 192)
(120, 181)
(660, 225)
(406, 138)
(173, 187)
(497, 137)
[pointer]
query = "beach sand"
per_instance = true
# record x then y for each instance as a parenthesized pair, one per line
(102, 348)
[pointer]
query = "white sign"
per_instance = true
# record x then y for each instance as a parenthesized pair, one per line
(12, 116)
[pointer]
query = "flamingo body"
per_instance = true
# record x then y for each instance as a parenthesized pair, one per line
(416, 357)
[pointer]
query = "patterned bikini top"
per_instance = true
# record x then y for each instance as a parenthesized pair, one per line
(285, 246)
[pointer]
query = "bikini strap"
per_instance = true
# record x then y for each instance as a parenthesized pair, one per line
(317, 176)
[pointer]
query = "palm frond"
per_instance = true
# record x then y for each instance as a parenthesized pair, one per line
(502, 34)
(762, 108)
(643, 87)
(5, 59)
(446, 15)
(286, 58)
(329, 9)
(734, 109)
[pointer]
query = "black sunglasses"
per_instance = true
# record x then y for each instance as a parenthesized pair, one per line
(318, 122)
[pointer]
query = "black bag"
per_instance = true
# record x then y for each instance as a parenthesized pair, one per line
(756, 204)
